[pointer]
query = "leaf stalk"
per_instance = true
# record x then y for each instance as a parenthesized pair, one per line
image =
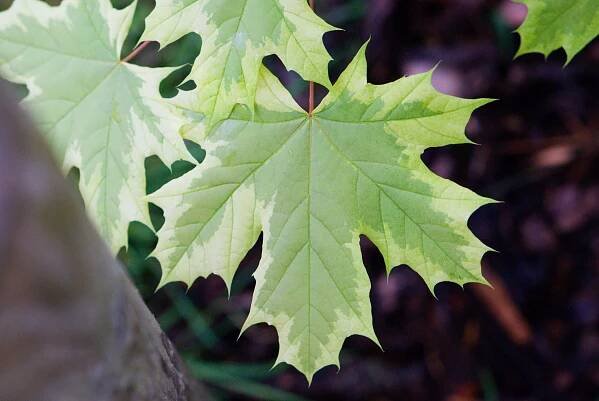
(135, 52)
(311, 83)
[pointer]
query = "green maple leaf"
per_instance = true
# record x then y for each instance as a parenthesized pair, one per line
(552, 24)
(313, 185)
(99, 114)
(237, 35)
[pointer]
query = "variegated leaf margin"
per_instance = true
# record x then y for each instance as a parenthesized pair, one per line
(552, 24)
(236, 36)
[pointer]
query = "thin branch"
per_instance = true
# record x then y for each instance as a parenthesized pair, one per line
(135, 52)
(504, 309)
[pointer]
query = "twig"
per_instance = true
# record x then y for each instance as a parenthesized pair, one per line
(504, 309)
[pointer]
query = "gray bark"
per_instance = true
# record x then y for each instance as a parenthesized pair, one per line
(72, 326)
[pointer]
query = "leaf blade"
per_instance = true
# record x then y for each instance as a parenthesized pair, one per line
(237, 35)
(312, 185)
(98, 114)
(550, 25)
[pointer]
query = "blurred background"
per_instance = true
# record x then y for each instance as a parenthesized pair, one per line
(536, 336)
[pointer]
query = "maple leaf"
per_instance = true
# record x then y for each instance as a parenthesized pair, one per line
(236, 36)
(313, 185)
(552, 24)
(99, 114)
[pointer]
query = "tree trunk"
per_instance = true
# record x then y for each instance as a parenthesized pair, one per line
(72, 326)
